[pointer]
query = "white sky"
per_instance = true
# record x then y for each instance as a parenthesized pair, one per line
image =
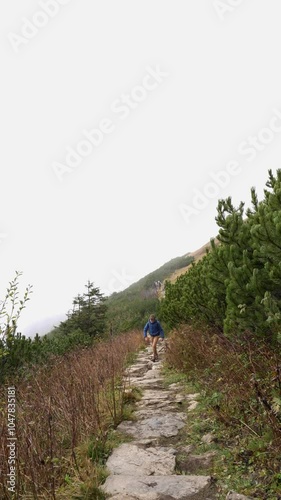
(118, 215)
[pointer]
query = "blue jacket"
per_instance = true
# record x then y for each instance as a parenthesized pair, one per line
(154, 329)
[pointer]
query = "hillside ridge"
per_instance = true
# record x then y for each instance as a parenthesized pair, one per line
(131, 307)
(196, 255)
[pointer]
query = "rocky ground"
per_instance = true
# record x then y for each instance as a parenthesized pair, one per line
(155, 465)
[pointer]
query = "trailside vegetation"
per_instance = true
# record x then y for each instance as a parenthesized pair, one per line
(85, 325)
(225, 313)
(237, 285)
(131, 307)
(87, 318)
(93, 317)
(66, 410)
(61, 399)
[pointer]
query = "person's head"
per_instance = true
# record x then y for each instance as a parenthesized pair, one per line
(152, 318)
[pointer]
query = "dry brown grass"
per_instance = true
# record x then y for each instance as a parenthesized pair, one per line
(245, 375)
(59, 407)
(240, 383)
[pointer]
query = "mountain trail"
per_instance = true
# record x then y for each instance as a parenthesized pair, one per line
(155, 465)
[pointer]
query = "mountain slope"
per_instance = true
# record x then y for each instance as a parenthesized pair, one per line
(131, 307)
(197, 255)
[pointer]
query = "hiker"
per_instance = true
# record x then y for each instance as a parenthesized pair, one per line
(156, 332)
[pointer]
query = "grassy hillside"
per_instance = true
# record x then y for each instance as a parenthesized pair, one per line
(196, 256)
(131, 307)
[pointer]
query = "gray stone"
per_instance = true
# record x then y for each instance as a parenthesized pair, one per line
(158, 405)
(137, 370)
(122, 497)
(175, 387)
(152, 374)
(151, 397)
(178, 398)
(166, 404)
(231, 495)
(129, 459)
(208, 438)
(152, 412)
(144, 442)
(166, 425)
(186, 449)
(149, 383)
(192, 397)
(157, 487)
(192, 405)
(142, 470)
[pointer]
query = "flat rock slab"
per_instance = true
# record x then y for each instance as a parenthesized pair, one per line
(138, 370)
(129, 459)
(156, 404)
(152, 412)
(164, 405)
(157, 487)
(152, 378)
(178, 398)
(152, 374)
(150, 396)
(166, 425)
(149, 383)
(139, 380)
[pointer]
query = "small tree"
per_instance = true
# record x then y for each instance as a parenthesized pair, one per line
(87, 314)
(13, 346)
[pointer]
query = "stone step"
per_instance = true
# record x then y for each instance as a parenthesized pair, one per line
(153, 412)
(141, 469)
(170, 487)
(159, 398)
(160, 425)
(138, 370)
(147, 383)
(130, 459)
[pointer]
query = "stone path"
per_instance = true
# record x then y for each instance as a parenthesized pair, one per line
(145, 468)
